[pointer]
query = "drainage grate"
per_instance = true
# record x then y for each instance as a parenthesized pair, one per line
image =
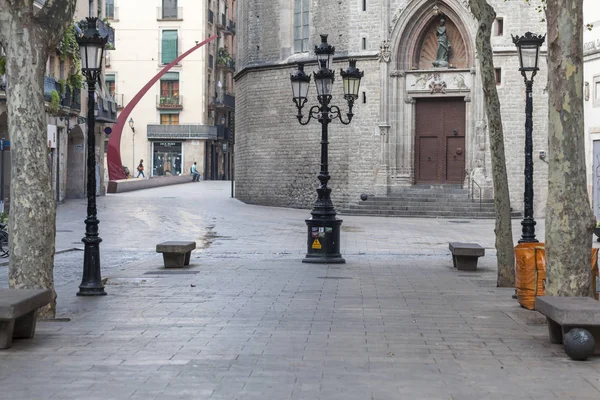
(174, 272)
(62, 231)
(334, 277)
(460, 222)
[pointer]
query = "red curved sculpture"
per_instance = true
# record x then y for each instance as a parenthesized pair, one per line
(115, 166)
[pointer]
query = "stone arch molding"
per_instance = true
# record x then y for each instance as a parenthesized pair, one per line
(410, 22)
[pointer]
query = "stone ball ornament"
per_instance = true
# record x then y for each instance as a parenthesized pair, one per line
(364, 197)
(579, 344)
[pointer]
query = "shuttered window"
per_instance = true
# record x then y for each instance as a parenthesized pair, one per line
(169, 46)
(301, 30)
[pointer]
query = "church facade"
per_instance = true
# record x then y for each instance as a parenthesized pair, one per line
(419, 119)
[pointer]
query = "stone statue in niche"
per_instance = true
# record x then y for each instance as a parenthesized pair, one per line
(443, 53)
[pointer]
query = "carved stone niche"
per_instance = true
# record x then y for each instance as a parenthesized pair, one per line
(427, 53)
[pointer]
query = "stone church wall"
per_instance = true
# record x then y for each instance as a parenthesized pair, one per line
(277, 159)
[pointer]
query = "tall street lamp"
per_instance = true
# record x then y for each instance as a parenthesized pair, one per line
(529, 52)
(132, 144)
(91, 45)
(323, 227)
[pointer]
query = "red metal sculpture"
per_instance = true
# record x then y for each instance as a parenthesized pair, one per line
(115, 166)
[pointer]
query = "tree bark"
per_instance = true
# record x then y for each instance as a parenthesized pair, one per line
(27, 40)
(569, 217)
(485, 15)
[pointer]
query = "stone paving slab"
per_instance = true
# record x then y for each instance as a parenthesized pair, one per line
(274, 328)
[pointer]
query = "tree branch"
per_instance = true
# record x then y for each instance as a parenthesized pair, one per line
(55, 17)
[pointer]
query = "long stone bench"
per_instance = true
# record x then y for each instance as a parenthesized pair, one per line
(18, 313)
(465, 255)
(566, 313)
(176, 254)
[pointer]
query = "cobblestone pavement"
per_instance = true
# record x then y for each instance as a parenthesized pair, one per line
(248, 320)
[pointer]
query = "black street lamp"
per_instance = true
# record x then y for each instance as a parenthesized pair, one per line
(529, 52)
(91, 45)
(323, 227)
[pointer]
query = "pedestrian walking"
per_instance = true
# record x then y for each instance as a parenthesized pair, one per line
(195, 174)
(140, 169)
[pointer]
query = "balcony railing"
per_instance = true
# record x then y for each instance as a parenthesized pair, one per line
(230, 28)
(169, 102)
(191, 131)
(226, 63)
(68, 99)
(211, 16)
(107, 30)
(120, 100)
(223, 101)
(169, 13)
(106, 110)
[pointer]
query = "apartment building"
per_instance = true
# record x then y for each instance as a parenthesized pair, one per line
(66, 114)
(173, 125)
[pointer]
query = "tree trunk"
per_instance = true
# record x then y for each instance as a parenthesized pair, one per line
(27, 37)
(32, 208)
(485, 15)
(569, 218)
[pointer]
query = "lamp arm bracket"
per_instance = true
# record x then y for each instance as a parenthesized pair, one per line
(336, 113)
(313, 113)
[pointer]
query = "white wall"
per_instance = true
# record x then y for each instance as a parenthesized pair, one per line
(591, 40)
(136, 60)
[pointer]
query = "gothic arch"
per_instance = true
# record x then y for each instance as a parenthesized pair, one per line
(412, 28)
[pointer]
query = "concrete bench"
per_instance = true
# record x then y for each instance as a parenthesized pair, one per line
(18, 313)
(465, 255)
(176, 254)
(566, 313)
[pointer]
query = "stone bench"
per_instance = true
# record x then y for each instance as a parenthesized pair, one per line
(566, 313)
(465, 255)
(176, 254)
(18, 313)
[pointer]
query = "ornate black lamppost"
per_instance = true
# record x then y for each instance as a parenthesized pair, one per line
(91, 45)
(323, 226)
(529, 51)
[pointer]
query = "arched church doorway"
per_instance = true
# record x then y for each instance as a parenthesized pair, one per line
(76, 164)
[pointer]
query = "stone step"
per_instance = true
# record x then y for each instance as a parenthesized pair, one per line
(409, 201)
(426, 214)
(429, 207)
(415, 195)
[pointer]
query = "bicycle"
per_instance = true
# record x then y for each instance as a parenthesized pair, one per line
(4, 249)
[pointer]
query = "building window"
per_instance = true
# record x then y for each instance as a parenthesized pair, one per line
(110, 84)
(169, 46)
(52, 67)
(596, 95)
(169, 89)
(169, 119)
(499, 27)
(364, 4)
(110, 9)
(169, 9)
(364, 43)
(301, 30)
(498, 73)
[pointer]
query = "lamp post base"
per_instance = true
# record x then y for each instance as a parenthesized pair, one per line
(323, 242)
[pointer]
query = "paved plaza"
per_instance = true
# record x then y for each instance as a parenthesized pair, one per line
(248, 320)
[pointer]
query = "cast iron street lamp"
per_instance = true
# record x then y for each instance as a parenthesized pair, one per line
(323, 227)
(91, 45)
(529, 51)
